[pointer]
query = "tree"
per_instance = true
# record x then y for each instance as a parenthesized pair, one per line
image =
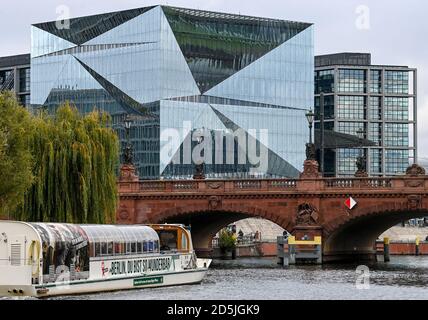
(227, 240)
(15, 157)
(75, 164)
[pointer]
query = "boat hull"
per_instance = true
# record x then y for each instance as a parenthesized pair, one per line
(104, 285)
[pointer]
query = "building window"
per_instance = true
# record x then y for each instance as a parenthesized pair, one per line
(376, 161)
(396, 134)
(396, 108)
(375, 81)
(397, 82)
(396, 161)
(7, 80)
(24, 99)
(352, 80)
(375, 108)
(375, 133)
(324, 81)
(24, 80)
(328, 107)
(346, 161)
(350, 127)
(350, 107)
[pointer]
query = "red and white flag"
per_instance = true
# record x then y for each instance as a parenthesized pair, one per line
(350, 203)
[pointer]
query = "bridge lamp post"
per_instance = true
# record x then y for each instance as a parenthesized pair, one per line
(310, 116)
(310, 147)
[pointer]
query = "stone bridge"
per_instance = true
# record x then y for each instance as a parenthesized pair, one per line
(310, 205)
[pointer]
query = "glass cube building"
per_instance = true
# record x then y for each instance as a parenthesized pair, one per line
(183, 69)
(379, 99)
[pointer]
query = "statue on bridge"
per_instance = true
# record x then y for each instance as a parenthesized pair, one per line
(415, 170)
(361, 167)
(311, 153)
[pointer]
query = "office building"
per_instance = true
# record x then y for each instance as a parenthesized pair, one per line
(379, 99)
(15, 76)
(168, 67)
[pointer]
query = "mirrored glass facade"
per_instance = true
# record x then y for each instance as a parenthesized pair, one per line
(172, 68)
(380, 100)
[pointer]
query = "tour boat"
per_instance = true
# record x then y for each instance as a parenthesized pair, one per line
(47, 259)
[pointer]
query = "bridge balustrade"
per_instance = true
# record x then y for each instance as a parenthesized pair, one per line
(358, 183)
(282, 184)
(339, 183)
(248, 184)
(152, 185)
(272, 185)
(185, 185)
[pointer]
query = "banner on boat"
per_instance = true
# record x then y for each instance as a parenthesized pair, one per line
(135, 266)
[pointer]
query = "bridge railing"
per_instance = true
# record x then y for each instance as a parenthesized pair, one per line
(363, 183)
(292, 185)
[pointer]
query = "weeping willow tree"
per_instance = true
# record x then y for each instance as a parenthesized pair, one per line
(16, 176)
(75, 162)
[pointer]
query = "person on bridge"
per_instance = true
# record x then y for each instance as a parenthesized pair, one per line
(240, 234)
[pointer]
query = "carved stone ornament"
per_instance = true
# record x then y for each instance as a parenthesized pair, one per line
(415, 170)
(214, 185)
(307, 215)
(414, 202)
(128, 173)
(414, 183)
(124, 215)
(310, 170)
(214, 203)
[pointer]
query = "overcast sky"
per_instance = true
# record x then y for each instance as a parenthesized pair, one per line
(394, 31)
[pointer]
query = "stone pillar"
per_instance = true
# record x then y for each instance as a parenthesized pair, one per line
(386, 250)
(128, 182)
(128, 173)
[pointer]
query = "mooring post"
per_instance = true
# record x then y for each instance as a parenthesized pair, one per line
(417, 246)
(386, 249)
(292, 250)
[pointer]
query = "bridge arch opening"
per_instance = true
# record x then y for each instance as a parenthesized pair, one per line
(206, 224)
(355, 239)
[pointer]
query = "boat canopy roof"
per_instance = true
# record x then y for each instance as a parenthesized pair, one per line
(52, 232)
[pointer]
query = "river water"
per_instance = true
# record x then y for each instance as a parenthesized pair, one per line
(403, 278)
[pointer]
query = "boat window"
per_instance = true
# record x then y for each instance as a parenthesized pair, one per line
(184, 241)
(168, 239)
(156, 246)
(110, 248)
(151, 246)
(118, 240)
(104, 248)
(97, 249)
(145, 247)
(118, 248)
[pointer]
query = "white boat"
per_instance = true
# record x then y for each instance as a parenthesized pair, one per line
(47, 259)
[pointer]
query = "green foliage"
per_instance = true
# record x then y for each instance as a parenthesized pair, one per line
(16, 176)
(227, 240)
(75, 162)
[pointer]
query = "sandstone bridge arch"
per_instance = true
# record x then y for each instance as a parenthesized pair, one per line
(205, 222)
(310, 205)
